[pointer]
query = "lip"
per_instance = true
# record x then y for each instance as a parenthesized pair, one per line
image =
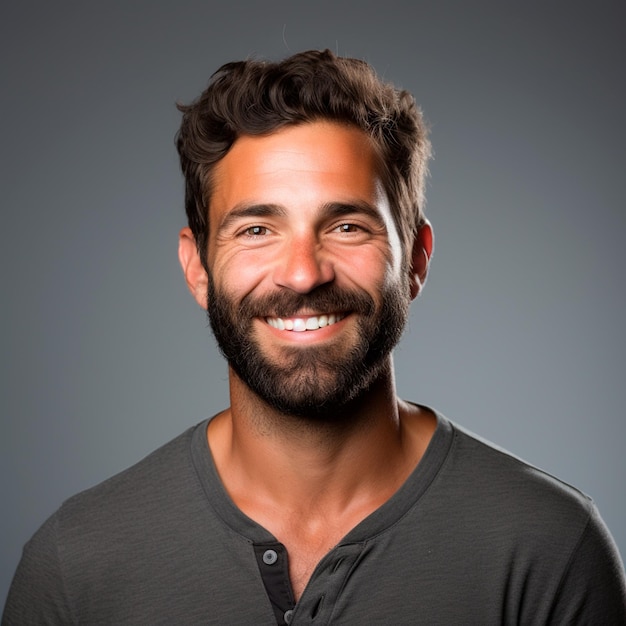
(330, 332)
(304, 323)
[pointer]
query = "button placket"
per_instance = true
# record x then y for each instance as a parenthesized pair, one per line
(328, 580)
(273, 566)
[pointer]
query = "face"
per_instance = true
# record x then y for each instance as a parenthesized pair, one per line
(307, 293)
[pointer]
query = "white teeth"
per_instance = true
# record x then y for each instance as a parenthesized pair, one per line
(301, 324)
(312, 323)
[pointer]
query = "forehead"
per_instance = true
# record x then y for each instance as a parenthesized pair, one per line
(317, 158)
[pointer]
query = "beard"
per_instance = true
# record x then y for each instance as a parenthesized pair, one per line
(312, 381)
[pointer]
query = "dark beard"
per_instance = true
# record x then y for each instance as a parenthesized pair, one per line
(312, 381)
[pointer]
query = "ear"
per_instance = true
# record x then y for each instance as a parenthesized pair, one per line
(423, 246)
(195, 274)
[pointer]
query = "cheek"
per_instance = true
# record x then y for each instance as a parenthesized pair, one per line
(367, 268)
(239, 274)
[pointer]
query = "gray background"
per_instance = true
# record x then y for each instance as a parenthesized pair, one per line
(519, 333)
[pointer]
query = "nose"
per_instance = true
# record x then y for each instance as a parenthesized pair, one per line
(303, 265)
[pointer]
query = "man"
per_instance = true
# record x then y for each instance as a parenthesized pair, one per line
(318, 496)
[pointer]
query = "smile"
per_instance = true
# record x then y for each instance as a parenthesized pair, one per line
(300, 324)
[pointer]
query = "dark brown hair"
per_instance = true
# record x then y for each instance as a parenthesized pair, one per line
(258, 97)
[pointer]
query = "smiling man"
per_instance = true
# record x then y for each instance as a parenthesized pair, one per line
(307, 289)
(318, 496)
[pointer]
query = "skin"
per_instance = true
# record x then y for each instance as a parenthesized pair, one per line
(294, 210)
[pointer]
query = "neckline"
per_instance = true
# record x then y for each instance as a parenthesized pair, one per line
(382, 518)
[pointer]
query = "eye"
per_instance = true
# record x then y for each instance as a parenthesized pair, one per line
(256, 231)
(348, 228)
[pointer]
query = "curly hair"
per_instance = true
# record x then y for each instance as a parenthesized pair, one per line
(259, 97)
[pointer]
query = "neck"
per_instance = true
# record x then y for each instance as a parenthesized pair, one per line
(362, 453)
(309, 482)
(317, 428)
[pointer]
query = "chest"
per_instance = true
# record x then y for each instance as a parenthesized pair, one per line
(303, 560)
(306, 543)
(304, 547)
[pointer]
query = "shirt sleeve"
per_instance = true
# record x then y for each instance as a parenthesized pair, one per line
(37, 594)
(593, 588)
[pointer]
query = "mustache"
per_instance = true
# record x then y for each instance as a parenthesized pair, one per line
(325, 299)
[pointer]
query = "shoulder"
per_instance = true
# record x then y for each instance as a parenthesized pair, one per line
(498, 501)
(152, 494)
(126, 518)
(499, 476)
(541, 537)
(158, 475)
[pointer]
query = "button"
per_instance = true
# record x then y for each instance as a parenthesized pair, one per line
(288, 616)
(270, 557)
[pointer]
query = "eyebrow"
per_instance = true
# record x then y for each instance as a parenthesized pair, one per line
(341, 209)
(243, 211)
(329, 210)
